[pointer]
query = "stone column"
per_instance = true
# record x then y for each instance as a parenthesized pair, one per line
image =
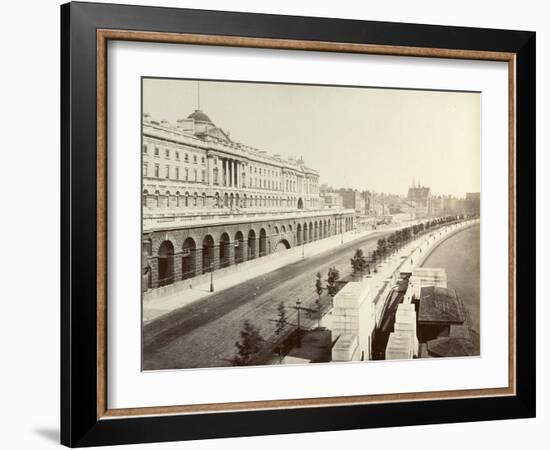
(198, 261)
(231, 259)
(210, 170)
(223, 172)
(226, 172)
(178, 275)
(229, 172)
(236, 180)
(216, 261)
(244, 244)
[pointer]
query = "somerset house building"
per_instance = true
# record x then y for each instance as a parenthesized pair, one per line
(210, 202)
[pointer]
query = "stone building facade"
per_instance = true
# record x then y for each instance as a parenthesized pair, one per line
(421, 198)
(209, 202)
(353, 199)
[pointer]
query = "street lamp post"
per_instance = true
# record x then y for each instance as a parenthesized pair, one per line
(211, 277)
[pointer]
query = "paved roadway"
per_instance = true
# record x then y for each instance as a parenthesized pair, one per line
(203, 334)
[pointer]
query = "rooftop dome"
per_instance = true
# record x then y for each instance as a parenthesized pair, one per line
(199, 116)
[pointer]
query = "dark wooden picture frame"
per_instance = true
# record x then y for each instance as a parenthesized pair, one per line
(85, 417)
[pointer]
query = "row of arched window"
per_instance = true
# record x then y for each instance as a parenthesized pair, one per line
(242, 245)
(178, 200)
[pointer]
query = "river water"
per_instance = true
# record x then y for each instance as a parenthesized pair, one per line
(459, 255)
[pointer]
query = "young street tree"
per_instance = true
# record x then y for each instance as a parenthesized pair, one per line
(280, 326)
(248, 346)
(319, 289)
(382, 247)
(358, 263)
(374, 259)
(281, 318)
(318, 286)
(332, 278)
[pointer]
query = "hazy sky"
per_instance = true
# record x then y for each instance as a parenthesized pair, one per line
(355, 137)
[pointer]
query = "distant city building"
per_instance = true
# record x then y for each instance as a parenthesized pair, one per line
(369, 202)
(472, 204)
(437, 205)
(353, 199)
(333, 200)
(420, 195)
(451, 205)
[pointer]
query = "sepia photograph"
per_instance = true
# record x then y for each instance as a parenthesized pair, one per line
(296, 224)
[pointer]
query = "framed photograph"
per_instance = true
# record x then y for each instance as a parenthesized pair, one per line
(277, 224)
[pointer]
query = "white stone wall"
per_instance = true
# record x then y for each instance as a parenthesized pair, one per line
(353, 314)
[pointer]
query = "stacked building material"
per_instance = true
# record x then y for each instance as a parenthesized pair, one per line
(346, 348)
(405, 322)
(400, 346)
(353, 314)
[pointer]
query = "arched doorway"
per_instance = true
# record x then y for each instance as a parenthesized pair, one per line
(188, 258)
(299, 234)
(263, 242)
(166, 263)
(239, 247)
(310, 228)
(251, 244)
(305, 233)
(300, 203)
(282, 245)
(207, 254)
(316, 231)
(224, 250)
